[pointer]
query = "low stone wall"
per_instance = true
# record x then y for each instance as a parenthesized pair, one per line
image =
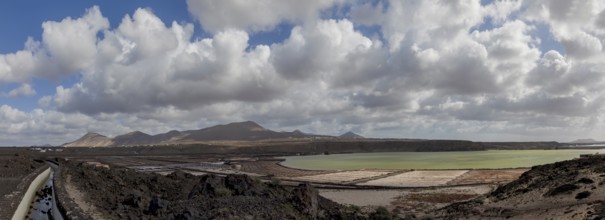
(66, 205)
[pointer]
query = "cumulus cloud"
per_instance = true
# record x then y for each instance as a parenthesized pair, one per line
(257, 15)
(574, 23)
(368, 13)
(470, 71)
(23, 90)
(68, 46)
(45, 101)
(72, 42)
(417, 22)
(500, 11)
(146, 65)
(53, 127)
(318, 49)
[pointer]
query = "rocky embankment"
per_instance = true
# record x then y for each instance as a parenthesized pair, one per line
(119, 193)
(573, 189)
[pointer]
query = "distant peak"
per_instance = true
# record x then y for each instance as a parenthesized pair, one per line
(137, 133)
(93, 134)
(352, 135)
(587, 140)
(90, 139)
(248, 125)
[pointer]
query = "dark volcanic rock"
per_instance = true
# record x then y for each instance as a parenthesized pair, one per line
(120, 193)
(583, 195)
(240, 185)
(133, 199)
(565, 188)
(188, 214)
(155, 205)
(585, 180)
(205, 188)
(305, 199)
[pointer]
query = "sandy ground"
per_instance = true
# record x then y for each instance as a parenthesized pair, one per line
(405, 199)
(488, 176)
(273, 168)
(79, 198)
(533, 204)
(424, 178)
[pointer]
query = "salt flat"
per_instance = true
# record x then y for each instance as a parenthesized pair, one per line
(417, 178)
(341, 177)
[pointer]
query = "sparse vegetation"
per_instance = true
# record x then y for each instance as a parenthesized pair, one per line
(381, 213)
(585, 180)
(583, 195)
(439, 197)
(565, 188)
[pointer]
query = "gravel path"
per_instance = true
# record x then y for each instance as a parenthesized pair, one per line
(79, 198)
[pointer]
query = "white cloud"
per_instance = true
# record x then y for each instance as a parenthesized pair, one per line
(500, 11)
(573, 23)
(10, 114)
(367, 13)
(45, 101)
(425, 74)
(582, 45)
(258, 15)
(23, 90)
(72, 42)
(318, 49)
(146, 65)
(418, 22)
(68, 46)
(22, 65)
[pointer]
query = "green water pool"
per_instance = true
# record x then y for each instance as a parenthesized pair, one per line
(490, 159)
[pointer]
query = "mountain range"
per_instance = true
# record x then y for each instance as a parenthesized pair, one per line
(585, 141)
(238, 131)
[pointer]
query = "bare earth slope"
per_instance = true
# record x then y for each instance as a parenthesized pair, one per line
(351, 135)
(573, 189)
(91, 140)
(235, 131)
(133, 138)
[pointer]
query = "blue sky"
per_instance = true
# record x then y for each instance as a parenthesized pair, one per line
(30, 15)
(479, 70)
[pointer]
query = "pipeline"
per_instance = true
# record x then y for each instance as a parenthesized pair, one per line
(44, 207)
(30, 195)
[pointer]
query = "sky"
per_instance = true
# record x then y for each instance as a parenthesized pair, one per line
(507, 70)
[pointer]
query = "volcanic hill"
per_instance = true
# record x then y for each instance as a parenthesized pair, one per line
(571, 189)
(239, 131)
(91, 139)
(351, 135)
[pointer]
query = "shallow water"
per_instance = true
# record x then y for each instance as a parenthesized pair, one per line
(491, 159)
